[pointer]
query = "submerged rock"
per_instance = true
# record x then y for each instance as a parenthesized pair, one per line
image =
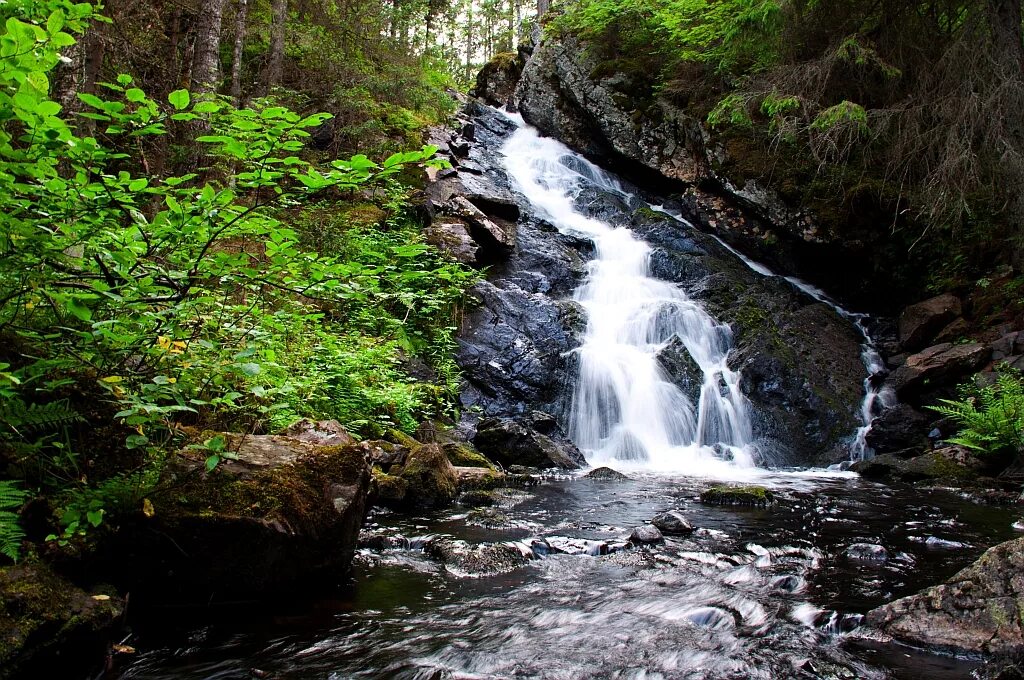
(464, 560)
(979, 610)
(514, 442)
(868, 552)
(48, 626)
(757, 496)
(606, 473)
(672, 523)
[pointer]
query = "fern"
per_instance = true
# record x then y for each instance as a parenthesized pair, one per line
(22, 418)
(11, 534)
(991, 419)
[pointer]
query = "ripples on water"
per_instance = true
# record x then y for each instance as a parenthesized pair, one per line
(753, 593)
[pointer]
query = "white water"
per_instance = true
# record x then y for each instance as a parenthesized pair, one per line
(875, 398)
(625, 410)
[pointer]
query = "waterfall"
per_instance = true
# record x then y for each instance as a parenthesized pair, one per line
(625, 408)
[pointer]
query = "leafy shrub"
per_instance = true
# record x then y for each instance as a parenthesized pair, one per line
(991, 418)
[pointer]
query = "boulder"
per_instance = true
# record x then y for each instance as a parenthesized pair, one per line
(680, 368)
(388, 490)
(607, 474)
(282, 513)
(950, 464)
(473, 478)
(646, 535)
(867, 552)
(49, 627)
(497, 80)
(937, 366)
(979, 610)
(461, 454)
(452, 236)
(757, 496)
(672, 523)
(900, 428)
(432, 481)
(517, 442)
(920, 323)
(462, 559)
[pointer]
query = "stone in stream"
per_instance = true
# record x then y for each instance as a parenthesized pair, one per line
(867, 552)
(462, 559)
(672, 523)
(755, 496)
(606, 473)
(646, 535)
(512, 441)
(979, 610)
(281, 515)
(431, 478)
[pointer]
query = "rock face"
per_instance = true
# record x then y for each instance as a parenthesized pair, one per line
(514, 442)
(48, 626)
(921, 323)
(979, 610)
(286, 511)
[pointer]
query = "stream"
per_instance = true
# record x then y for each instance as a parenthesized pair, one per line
(752, 592)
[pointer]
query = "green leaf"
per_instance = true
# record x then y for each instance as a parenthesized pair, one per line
(179, 99)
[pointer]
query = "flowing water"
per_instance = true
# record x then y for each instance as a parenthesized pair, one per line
(625, 409)
(752, 593)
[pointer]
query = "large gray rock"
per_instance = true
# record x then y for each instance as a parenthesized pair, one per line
(944, 364)
(979, 610)
(919, 324)
(283, 513)
(518, 442)
(897, 429)
(497, 80)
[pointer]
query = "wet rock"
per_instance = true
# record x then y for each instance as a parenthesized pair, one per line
(432, 481)
(480, 478)
(867, 552)
(757, 496)
(937, 366)
(452, 236)
(899, 428)
(979, 610)
(646, 535)
(881, 467)
(952, 464)
(512, 442)
(464, 560)
(606, 473)
(920, 323)
(488, 518)
(48, 626)
(680, 368)
(577, 546)
(384, 454)
(477, 499)
(283, 514)
(672, 523)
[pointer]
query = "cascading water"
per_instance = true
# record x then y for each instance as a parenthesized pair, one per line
(624, 408)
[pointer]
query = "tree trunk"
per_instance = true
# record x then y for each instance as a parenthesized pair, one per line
(1005, 23)
(469, 40)
(241, 13)
(278, 25)
(206, 58)
(542, 7)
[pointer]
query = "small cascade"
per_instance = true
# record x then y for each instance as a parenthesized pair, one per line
(876, 396)
(625, 408)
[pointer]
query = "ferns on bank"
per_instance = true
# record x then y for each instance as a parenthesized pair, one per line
(11, 535)
(991, 419)
(20, 418)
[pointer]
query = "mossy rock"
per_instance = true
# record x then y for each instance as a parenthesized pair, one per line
(388, 490)
(402, 439)
(480, 479)
(432, 480)
(755, 496)
(464, 455)
(48, 626)
(477, 499)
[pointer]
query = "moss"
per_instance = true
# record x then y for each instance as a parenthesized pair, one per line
(485, 482)
(504, 61)
(389, 488)
(402, 439)
(737, 495)
(431, 478)
(464, 455)
(936, 466)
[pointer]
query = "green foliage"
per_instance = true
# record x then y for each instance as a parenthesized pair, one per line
(11, 535)
(991, 418)
(192, 297)
(846, 115)
(732, 110)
